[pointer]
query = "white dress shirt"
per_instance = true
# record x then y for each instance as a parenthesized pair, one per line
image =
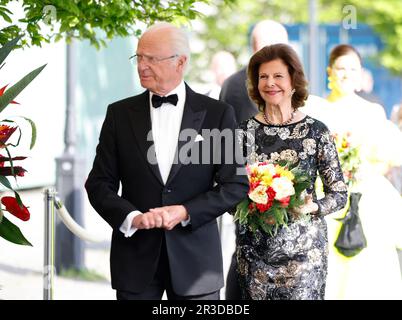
(166, 122)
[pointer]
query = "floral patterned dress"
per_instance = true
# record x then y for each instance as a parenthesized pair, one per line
(293, 263)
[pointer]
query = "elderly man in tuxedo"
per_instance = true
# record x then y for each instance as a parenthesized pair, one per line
(174, 181)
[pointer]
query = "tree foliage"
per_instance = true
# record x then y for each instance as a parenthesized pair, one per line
(227, 27)
(94, 20)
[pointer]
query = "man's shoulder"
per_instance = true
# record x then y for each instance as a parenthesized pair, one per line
(206, 102)
(129, 101)
(236, 78)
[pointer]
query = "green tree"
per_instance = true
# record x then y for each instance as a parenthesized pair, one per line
(228, 26)
(384, 16)
(93, 20)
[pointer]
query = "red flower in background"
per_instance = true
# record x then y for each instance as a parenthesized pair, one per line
(14, 208)
(4, 159)
(5, 133)
(6, 171)
(2, 92)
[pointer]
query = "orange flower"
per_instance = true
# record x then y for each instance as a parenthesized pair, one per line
(13, 207)
(5, 133)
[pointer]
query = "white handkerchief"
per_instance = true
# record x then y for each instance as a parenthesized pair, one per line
(198, 138)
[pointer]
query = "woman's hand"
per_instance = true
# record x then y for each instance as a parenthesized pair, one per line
(309, 207)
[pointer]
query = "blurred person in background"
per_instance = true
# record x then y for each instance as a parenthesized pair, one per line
(223, 65)
(374, 273)
(367, 86)
(395, 173)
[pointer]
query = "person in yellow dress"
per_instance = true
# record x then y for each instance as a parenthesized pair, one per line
(374, 273)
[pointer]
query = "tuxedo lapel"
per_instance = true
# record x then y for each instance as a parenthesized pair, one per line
(193, 117)
(141, 125)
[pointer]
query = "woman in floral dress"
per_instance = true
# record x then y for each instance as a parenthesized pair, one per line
(293, 263)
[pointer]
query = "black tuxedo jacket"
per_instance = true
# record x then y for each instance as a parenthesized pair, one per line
(194, 251)
(234, 92)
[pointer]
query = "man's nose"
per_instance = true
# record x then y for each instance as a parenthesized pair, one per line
(142, 65)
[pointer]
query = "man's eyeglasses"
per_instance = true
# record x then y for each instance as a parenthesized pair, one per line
(149, 59)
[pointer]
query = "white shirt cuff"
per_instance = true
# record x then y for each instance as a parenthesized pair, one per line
(127, 227)
(186, 222)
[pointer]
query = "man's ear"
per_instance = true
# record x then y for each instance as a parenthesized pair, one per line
(182, 60)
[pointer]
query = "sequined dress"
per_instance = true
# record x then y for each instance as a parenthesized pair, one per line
(293, 264)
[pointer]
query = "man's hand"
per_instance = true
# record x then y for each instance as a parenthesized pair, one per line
(172, 215)
(149, 220)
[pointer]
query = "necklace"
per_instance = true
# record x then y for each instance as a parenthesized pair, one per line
(279, 124)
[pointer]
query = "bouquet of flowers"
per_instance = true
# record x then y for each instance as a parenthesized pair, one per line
(349, 157)
(274, 189)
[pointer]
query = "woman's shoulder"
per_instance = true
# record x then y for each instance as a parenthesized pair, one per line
(317, 127)
(376, 110)
(250, 123)
(314, 122)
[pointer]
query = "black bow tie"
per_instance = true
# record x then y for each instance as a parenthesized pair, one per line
(158, 100)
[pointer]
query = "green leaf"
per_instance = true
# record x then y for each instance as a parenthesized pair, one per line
(1, 215)
(5, 16)
(12, 233)
(4, 181)
(15, 90)
(18, 198)
(33, 132)
(11, 160)
(6, 49)
(242, 211)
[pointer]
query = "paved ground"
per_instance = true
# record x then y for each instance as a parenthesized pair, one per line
(21, 275)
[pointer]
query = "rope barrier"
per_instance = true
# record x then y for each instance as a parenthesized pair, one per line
(52, 202)
(73, 226)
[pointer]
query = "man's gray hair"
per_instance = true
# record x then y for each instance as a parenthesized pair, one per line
(180, 42)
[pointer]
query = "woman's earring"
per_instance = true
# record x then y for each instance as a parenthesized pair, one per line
(292, 92)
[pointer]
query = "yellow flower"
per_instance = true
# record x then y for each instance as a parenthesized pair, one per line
(266, 179)
(285, 173)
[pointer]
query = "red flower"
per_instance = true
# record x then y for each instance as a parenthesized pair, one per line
(271, 194)
(5, 133)
(6, 171)
(4, 159)
(253, 185)
(285, 202)
(13, 207)
(2, 92)
(264, 207)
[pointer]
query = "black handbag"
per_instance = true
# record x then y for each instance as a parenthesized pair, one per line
(351, 239)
